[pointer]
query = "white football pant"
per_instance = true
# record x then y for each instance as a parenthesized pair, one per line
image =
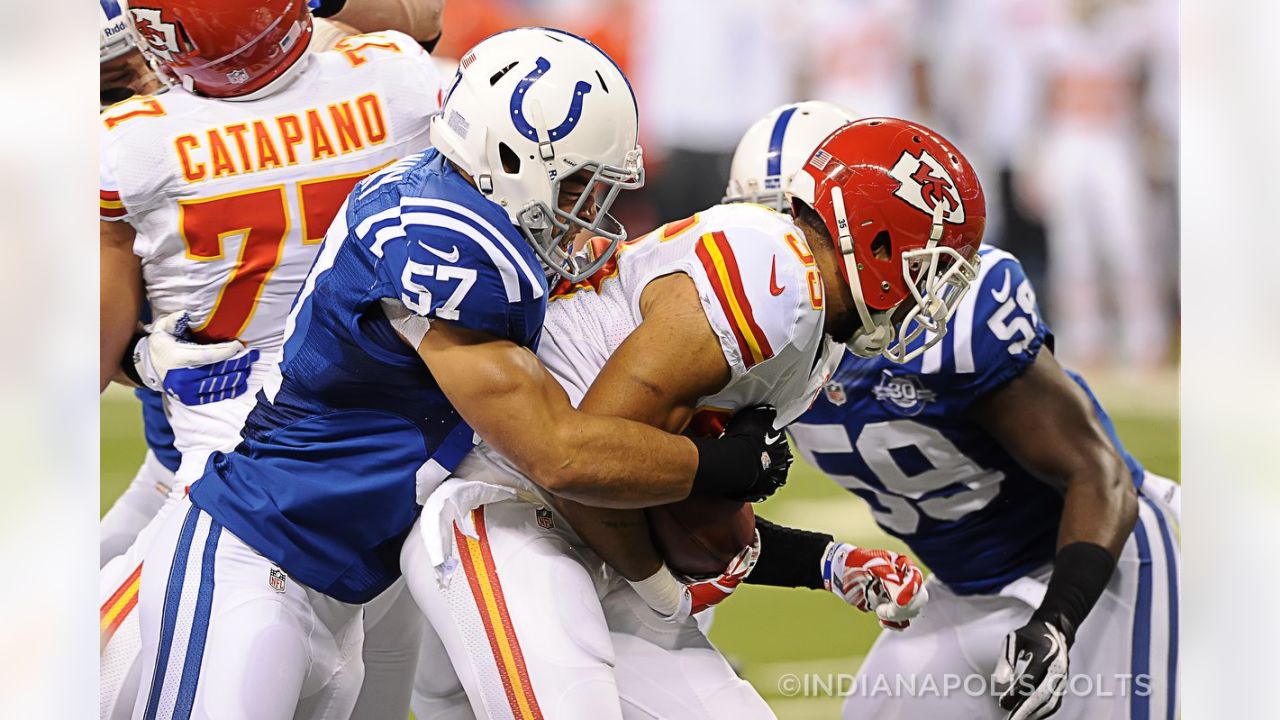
(227, 636)
(1123, 665)
(537, 627)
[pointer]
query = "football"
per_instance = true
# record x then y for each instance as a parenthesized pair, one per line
(698, 536)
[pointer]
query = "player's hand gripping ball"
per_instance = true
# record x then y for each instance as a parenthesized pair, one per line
(878, 581)
(755, 426)
(699, 595)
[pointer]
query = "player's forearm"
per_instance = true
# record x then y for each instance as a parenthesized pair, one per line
(615, 463)
(620, 537)
(1098, 515)
(1101, 503)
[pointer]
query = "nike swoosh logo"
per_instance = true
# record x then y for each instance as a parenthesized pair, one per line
(774, 288)
(1003, 293)
(449, 257)
(771, 439)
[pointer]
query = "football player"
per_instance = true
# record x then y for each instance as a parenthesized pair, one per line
(1001, 471)
(733, 307)
(123, 73)
(215, 197)
(252, 590)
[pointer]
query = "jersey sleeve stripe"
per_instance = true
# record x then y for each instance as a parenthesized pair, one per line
(962, 344)
(470, 215)
(486, 590)
(111, 213)
(721, 265)
(510, 283)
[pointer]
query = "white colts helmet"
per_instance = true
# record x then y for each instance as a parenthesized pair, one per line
(528, 108)
(115, 37)
(775, 148)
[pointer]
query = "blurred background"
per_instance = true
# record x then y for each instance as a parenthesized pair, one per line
(1067, 108)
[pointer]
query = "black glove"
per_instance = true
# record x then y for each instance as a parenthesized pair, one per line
(749, 462)
(1031, 675)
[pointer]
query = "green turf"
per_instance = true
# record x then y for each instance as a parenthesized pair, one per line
(759, 629)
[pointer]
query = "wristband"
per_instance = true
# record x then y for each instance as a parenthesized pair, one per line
(129, 363)
(660, 591)
(721, 470)
(1081, 572)
(789, 557)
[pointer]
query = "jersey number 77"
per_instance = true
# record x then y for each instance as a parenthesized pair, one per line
(261, 218)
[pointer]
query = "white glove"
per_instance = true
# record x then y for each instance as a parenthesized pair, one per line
(167, 360)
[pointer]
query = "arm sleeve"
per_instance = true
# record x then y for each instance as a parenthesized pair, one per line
(1000, 332)
(789, 557)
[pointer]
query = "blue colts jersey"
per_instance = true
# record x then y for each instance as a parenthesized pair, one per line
(324, 481)
(899, 437)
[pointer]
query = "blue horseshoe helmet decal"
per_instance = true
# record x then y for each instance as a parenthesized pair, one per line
(517, 103)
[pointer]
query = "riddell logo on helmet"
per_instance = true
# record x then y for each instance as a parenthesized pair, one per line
(161, 36)
(925, 184)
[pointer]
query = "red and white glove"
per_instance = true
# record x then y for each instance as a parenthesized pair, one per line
(878, 581)
(676, 599)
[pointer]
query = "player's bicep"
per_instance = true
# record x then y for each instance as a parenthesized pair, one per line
(120, 295)
(1044, 420)
(669, 361)
(498, 387)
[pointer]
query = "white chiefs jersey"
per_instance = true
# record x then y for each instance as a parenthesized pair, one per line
(759, 288)
(231, 200)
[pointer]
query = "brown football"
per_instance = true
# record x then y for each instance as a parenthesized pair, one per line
(698, 536)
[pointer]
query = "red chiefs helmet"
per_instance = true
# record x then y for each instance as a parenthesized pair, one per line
(907, 213)
(231, 49)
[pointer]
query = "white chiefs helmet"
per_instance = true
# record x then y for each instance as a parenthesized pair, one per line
(775, 148)
(115, 37)
(529, 107)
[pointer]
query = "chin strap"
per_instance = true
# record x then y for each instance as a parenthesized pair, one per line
(876, 333)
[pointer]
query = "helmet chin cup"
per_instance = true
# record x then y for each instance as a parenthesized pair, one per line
(870, 341)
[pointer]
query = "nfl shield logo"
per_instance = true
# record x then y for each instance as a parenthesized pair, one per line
(237, 77)
(835, 393)
(544, 518)
(276, 579)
